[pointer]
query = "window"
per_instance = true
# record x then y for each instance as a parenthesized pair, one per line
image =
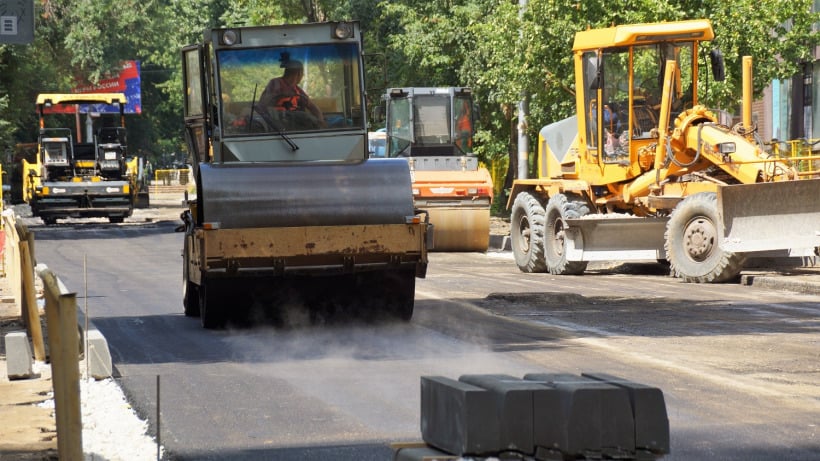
(328, 96)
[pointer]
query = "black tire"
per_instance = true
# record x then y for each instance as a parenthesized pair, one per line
(527, 233)
(211, 304)
(692, 243)
(116, 219)
(49, 221)
(400, 289)
(559, 208)
(190, 298)
(190, 290)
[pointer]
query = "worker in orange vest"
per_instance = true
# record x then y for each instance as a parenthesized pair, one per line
(464, 128)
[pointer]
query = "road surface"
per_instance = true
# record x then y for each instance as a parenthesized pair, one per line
(739, 366)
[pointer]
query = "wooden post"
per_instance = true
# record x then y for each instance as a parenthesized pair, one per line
(30, 301)
(63, 341)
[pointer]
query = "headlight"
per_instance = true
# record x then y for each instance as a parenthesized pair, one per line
(726, 148)
(231, 37)
(343, 30)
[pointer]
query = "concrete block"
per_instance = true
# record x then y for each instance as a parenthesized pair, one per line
(19, 359)
(458, 418)
(648, 410)
(99, 357)
(515, 403)
(550, 421)
(598, 415)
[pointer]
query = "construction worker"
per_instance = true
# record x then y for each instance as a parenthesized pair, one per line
(283, 94)
(464, 128)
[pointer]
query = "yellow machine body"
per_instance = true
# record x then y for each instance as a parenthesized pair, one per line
(72, 177)
(645, 171)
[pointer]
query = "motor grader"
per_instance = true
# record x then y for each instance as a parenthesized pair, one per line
(292, 222)
(433, 128)
(644, 171)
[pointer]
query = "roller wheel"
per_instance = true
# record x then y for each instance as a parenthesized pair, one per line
(190, 298)
(211, 304)
(692, 243)
(559, 208)
(527, 233)
(190, 290)
(400, 289)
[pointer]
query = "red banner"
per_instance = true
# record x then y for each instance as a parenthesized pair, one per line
(126, 81)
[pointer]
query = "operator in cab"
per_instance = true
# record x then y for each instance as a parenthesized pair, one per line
(283, 96)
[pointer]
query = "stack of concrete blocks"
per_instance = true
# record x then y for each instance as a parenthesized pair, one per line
(544, 416)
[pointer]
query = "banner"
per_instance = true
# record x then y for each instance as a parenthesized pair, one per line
(126, 81)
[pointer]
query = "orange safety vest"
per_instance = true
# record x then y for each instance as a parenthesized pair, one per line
(297, 101)
(463, 126)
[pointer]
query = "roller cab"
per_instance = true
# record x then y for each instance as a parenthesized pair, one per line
(291, 220)
(433, 128)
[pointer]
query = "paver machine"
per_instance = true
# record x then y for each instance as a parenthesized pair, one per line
(71, 178)
(292, 221)
(433, 128)
(645, 171)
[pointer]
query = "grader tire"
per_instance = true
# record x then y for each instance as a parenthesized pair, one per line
(559, 208)
(527, 233)
(692, 243)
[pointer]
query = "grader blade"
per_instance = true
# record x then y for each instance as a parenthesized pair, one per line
(615, 239)
(769, 216)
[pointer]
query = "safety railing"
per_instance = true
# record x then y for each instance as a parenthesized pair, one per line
(61, 326)
(802, 154)
(172, 177)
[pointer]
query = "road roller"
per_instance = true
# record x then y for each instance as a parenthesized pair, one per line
(433, 128)
(291, 221)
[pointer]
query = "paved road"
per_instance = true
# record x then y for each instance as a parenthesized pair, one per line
(738, 364)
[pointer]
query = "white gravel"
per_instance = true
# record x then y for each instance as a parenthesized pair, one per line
(112, 431)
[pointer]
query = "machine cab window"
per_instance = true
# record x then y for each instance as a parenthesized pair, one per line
(289, 89)
(623, 105)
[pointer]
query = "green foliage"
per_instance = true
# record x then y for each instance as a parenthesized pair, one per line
(491, 46)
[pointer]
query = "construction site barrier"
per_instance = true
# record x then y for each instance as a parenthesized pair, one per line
(172, 177)
(64, 330)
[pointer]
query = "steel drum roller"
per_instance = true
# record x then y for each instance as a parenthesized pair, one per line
(376, 191)
(460, 228)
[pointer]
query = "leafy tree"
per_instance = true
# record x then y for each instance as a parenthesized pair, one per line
(501, 52)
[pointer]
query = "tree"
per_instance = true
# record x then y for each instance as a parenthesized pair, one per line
(485, 44)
